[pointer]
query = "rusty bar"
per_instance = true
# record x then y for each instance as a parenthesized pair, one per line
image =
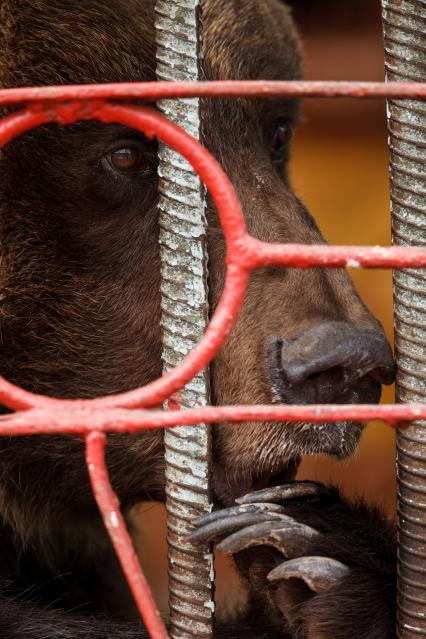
(151, 91)
(404, 26)
(184, 321)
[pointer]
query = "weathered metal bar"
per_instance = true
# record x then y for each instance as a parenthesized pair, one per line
(404, 25)
(151, 91)
(81, 420)
(185, 317)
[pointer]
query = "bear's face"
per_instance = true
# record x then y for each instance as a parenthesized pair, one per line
(80, 308)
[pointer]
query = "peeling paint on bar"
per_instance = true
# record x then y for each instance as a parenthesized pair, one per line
(405, 55)
(184, 320)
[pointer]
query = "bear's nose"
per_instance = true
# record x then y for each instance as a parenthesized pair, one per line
(331, 362)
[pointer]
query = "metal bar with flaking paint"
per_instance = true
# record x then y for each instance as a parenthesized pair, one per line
(268, 89)
(184, 305)
(404, 27)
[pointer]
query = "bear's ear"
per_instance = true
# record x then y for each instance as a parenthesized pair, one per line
(45, 42)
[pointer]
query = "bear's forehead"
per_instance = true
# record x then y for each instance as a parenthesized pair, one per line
(81, 41)
(249, 39)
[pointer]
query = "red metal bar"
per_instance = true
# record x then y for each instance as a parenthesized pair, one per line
(256, 254)
(81, 420)
(114, 523)
(153, 91)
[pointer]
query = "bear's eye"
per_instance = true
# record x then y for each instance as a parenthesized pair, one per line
(126, 159)
(281, 139)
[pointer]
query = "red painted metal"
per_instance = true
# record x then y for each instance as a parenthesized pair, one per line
(114, 523)
(129, 411)
(153, 91)
(81, 420)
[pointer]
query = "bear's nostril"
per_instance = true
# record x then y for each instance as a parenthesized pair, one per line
(313, 376)
(332, 362)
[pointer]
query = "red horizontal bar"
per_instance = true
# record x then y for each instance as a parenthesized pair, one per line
(258, 254)
(152, 91)
(84, 419)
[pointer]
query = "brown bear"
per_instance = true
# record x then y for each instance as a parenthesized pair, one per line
(80, 317)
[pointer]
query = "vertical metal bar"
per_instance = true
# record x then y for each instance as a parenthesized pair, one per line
(404, 24)
(185, 316)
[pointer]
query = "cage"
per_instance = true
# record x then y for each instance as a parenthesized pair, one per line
(191, 340)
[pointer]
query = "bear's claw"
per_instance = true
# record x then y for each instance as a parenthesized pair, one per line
(293, 490)
(259, 521)
(318, 573)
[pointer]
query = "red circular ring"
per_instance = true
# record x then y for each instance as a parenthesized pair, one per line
(152, 124)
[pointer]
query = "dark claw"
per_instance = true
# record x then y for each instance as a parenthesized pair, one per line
(318, 573)
(294, 490)
(225, 513)
(287, 536)
(225, 525)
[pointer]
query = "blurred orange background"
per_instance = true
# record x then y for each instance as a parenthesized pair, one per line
(339, 169)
